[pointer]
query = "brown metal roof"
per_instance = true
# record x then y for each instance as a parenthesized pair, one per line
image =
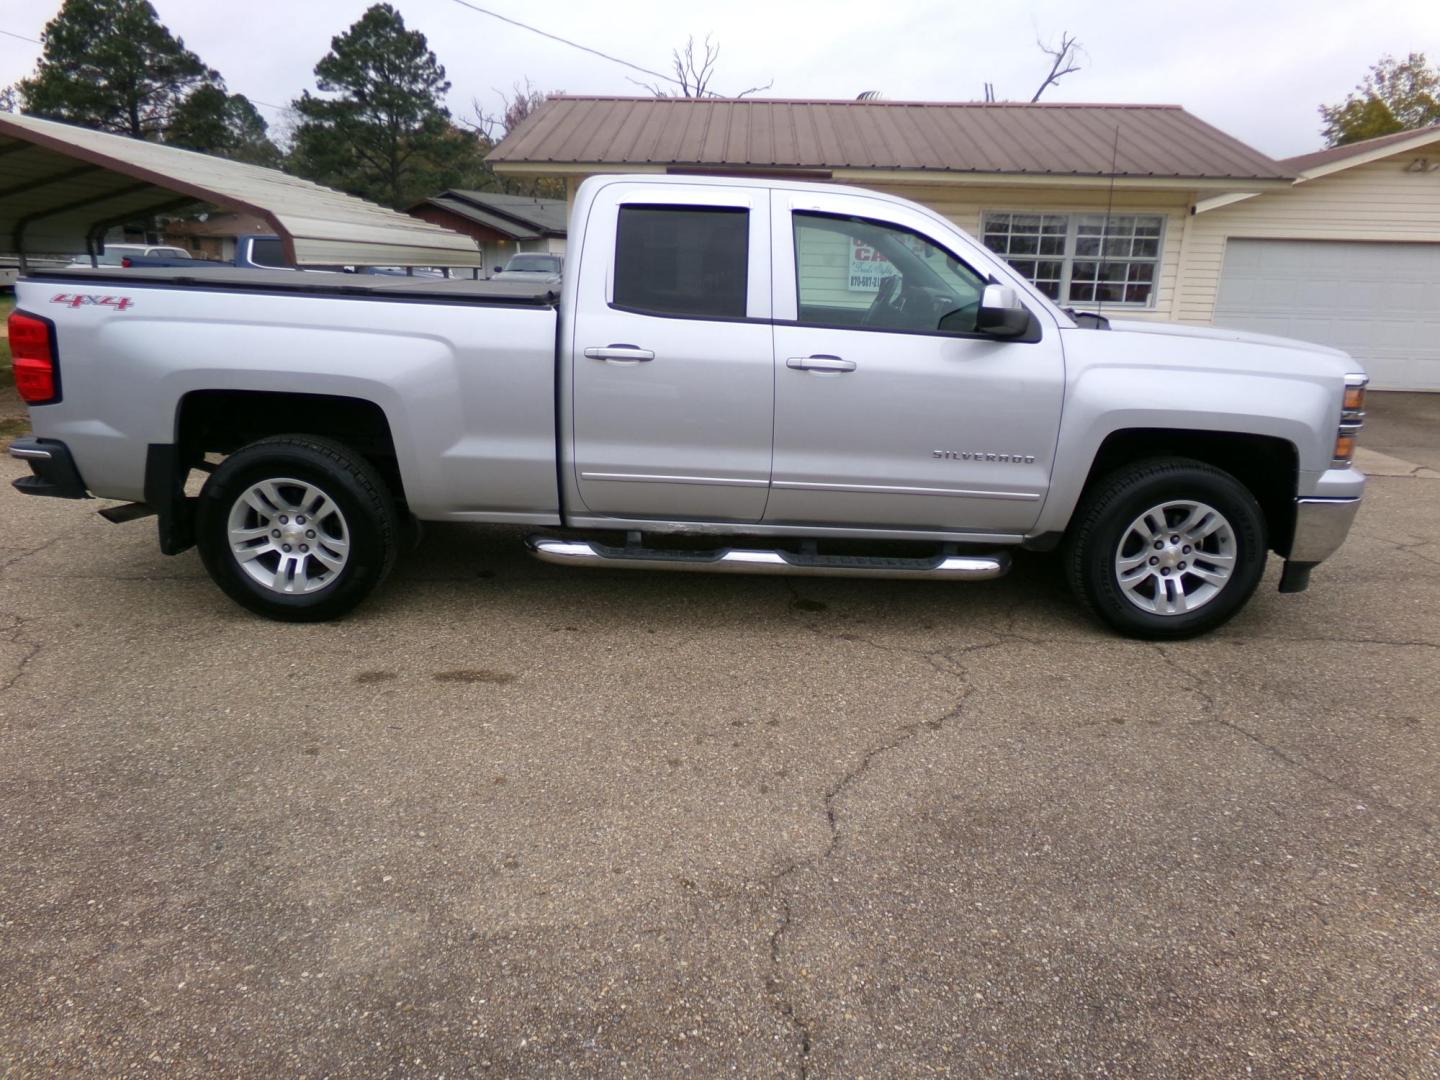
(1340, 153)
(957, 137)
(520, 217)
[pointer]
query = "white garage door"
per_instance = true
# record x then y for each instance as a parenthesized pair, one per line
(1380, 302)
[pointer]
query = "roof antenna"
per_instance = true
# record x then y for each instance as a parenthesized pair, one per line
(1105, 229)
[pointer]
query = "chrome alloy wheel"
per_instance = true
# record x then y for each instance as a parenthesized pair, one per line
(288, 536)
(1175, 557)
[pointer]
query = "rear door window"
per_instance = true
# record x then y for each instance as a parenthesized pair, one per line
(682, 260)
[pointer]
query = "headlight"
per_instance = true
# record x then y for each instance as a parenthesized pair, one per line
(1352, 419)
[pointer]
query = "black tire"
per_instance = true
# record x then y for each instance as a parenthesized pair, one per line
(366, 512)
(1104, 518)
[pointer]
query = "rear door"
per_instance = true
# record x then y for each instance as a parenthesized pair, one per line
(673, 384)
(891, 411)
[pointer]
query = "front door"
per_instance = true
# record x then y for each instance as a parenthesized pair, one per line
(673, 380)
(891, 411)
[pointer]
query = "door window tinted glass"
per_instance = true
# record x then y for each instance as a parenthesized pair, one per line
(682, 260)
(854, 272)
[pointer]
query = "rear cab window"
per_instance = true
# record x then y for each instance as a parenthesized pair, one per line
(682, 260)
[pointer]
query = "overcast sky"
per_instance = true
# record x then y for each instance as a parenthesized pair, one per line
(1254, 68)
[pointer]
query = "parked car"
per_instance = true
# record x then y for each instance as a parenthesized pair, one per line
(116, 254)
(251, 253)
(739, 375)
(532, 266)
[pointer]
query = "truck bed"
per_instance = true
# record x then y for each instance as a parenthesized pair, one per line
(318, 283)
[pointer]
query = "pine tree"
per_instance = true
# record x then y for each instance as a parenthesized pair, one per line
(385, 133)
(112, 65)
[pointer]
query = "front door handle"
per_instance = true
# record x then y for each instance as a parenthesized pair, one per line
(822, 362)
(629, 353)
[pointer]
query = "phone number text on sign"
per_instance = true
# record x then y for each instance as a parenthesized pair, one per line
(867, 267)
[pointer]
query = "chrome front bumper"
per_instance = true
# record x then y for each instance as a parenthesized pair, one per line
(1321, 526)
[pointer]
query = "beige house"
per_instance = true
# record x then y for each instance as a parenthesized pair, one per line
(1143, 211)
(1348, 255)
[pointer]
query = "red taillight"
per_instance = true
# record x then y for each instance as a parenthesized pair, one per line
(126, 263)
(33, 350)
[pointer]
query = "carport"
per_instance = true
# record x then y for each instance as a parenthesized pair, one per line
(62, 187)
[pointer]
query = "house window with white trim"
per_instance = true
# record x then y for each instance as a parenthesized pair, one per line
(1085, 259)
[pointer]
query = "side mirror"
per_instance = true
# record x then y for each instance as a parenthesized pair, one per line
(1001, 314)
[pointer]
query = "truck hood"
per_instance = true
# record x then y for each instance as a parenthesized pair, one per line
(1216, 333)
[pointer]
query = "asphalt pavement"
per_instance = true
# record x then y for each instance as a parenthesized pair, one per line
(518, 820)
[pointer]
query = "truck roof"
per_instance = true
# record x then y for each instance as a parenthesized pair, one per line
(317, 283)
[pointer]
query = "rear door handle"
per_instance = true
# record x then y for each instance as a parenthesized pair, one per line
(822, 362)
(629, 353)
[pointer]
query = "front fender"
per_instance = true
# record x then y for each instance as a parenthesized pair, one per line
(1105, 400)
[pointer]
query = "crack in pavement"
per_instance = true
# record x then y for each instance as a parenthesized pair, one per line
(946, 662)
(16, 636)
(1197, 688)
(1408, 548)
(19, 556)
(951, 663)
(775, 988)
(1401, 643)
(16, 632)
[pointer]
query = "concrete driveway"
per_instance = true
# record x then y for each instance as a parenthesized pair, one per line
(521, 821)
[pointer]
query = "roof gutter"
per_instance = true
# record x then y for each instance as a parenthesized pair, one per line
(939, 177)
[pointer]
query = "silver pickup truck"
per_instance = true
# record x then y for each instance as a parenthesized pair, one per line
(738, 376)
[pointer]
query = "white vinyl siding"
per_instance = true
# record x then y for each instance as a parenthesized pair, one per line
(823, 269)
(1382, 201)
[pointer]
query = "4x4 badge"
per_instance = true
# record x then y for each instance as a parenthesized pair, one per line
(75, 300)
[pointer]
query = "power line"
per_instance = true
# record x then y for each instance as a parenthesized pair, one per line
(567, 41)
(37, 41)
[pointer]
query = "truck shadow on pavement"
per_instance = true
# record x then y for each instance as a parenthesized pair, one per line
(486, 562)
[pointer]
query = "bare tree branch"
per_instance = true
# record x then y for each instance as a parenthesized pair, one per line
(1064, 56)
(693, 74)
(515, 105)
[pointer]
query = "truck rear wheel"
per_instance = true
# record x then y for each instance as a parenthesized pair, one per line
(1167, 548)
(297, 528)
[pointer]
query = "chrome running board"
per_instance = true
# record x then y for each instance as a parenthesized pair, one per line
(947, 566)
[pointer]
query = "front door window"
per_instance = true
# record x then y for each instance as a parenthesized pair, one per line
(855, 272)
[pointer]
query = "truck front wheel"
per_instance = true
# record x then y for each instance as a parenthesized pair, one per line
(297, 528)
(1167, 548)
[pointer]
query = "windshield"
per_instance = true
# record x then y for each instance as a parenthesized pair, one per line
(538, 264)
